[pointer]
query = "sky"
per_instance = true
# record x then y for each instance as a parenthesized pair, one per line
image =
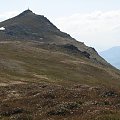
(94, 22)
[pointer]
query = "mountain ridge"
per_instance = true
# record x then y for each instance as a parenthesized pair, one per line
(29, 26)
(29, 20)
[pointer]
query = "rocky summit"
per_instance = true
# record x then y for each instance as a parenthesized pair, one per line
(45, 74)
(32, 26)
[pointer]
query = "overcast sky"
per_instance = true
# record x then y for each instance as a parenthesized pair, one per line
(94, 22)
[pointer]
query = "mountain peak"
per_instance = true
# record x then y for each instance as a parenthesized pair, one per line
(26, 12)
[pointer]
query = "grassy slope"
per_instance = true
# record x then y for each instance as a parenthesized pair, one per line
(39, 84)
(24, 60)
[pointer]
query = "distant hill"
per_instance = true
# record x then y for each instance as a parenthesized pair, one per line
(112, 55)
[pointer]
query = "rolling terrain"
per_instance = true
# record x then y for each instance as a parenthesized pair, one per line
(46, 74)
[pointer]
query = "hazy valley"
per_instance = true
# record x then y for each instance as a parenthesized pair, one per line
(112, 56)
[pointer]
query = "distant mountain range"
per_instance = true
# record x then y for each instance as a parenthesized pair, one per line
(112, 55)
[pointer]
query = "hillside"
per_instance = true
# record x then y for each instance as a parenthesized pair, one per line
(53, 78)
(112, 56)
(29, 26)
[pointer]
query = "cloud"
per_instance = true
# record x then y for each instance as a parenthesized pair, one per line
(7, 15)
(97, 29)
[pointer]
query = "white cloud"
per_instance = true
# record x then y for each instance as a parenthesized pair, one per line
(7, 15)
(98, 29)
